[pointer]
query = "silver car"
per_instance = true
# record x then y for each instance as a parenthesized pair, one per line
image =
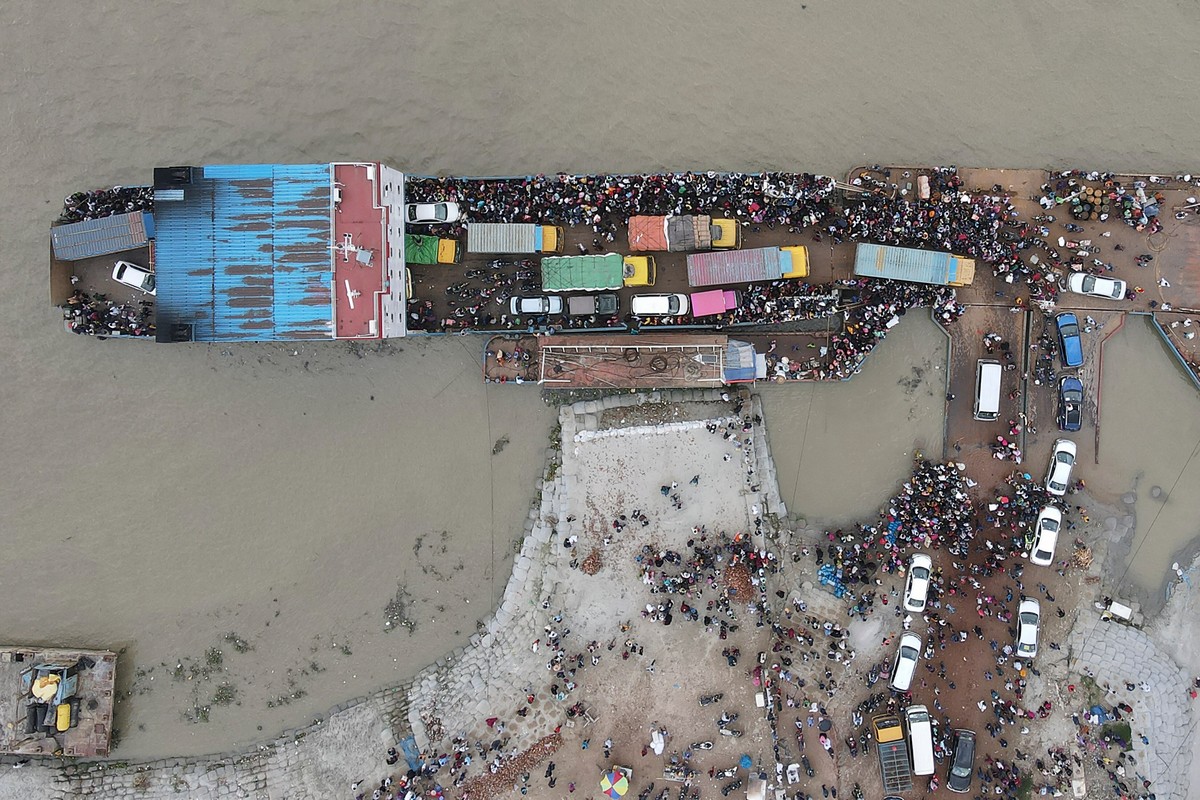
(916, 589)
(536, 306)
(1096, 286)
(1029, 619)
(431, 213)
(1062, 461)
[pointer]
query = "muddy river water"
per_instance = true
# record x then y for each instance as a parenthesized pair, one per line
(1149, 443)
(256, 515)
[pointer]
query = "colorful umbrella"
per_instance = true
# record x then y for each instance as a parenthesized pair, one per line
(614, 784)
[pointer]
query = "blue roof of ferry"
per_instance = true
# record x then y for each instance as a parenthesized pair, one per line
(245, 256)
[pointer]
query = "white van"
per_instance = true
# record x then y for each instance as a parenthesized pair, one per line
(920, 739)
(987, 389)
(659, 305)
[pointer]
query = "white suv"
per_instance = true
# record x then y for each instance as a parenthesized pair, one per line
(659, 305)
(132, 275)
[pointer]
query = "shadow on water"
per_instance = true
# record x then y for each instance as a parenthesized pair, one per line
(1149, 443)
(841, 449)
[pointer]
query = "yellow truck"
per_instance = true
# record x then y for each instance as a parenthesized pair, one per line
(420, 249)
(893, 753)
(639, 270)
(683, 233)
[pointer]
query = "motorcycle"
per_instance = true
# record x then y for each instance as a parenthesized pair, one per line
(853, 745)
(727, 773)
(701, 746)
(808, 770)
(709, 699)
(873, 675)
(726, 718)
(730, 787)
(645, 794)
(731, 732)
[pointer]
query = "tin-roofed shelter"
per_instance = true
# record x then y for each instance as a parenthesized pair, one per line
(649, 361)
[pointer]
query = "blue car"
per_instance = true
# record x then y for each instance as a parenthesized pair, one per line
(1068, 336)
(1070, 404)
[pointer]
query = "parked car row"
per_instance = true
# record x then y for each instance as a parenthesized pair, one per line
(641, 305)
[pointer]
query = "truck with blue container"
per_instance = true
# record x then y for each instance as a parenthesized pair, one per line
(916, 266)
(504, 238)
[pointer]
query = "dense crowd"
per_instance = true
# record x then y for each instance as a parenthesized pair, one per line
(106, 202)
(952, 219)
(787, 198)
(882, 304)
(96, 315)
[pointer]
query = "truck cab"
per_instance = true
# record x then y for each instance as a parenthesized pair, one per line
(639, 271)
(726, 234)
(799, 261)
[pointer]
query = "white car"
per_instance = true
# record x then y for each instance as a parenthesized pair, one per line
(916, 590)
(1045, 536)
(139, 278)
(1029, 617)
(906, 662)
(659, 305)
(541, 304)
(1096, 286)
(1062, 461)
(431, 213)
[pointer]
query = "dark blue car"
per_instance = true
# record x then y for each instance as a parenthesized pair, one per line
(1070, 404)
(1068, 336)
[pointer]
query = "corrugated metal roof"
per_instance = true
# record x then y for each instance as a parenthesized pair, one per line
(97, 237)
(246, 255)
(740, 360)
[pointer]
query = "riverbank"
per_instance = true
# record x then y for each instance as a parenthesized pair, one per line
(583, 579)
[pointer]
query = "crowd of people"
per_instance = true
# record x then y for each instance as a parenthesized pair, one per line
(95, 315)
(99, 203)
(953, 219)
(879, 305)
(787, 198)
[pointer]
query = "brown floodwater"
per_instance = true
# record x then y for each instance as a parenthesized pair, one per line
(1149, 445)
(842, 449)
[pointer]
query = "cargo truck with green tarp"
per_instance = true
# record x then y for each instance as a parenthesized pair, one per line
(917, 266)
(593, 272)
(419, 249)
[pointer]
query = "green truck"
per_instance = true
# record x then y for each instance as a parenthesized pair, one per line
(420, 249)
